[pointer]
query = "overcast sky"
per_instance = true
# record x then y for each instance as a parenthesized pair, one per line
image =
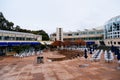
(71, 15)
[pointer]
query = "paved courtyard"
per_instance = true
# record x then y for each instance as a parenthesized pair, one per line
(12, 68)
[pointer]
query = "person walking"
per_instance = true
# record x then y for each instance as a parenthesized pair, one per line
(85, 54)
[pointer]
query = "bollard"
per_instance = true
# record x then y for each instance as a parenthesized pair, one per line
(40, 59)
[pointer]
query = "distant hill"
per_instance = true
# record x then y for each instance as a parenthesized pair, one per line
(6, 25)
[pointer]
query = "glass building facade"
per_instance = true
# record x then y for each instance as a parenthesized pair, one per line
(112, 31)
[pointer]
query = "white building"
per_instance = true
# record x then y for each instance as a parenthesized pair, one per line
(92, 36)
(18, 36)
(10, 39)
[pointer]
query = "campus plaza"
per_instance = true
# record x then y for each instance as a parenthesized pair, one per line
(74, 68)
(100, 65)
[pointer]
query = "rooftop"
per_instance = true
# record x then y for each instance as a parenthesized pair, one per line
(15, 32)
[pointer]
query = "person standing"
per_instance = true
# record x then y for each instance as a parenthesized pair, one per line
(118, 58)
(90, 50)
(85, 54)
(112, 48)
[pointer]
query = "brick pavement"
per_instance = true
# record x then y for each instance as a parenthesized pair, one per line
(27, 69)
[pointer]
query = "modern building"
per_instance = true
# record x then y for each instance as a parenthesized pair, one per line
(59, 34)
(18, 36)
(10, 39)
(112, 31)
(93, 36)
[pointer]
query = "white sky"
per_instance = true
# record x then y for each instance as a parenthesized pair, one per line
(71, 15)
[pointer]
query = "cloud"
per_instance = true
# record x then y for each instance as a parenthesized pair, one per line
(69, 14)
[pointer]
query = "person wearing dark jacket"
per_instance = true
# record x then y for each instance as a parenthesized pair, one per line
(112, 48)
(118, 56)
(85, 54)
(90, 50)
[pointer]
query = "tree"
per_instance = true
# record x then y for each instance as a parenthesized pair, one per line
(10, 25)
(43, 33)
(83, 43)
(57, 43)
(17, 28)
(80, 42)
(66, 43)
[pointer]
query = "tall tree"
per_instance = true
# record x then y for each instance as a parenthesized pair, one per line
(17, 28)
(67, 43)
(43, 33)
(57, 43)
(10, 25)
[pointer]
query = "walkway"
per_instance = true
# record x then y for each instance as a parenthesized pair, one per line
(76, 69)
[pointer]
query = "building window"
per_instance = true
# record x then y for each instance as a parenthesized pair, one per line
(69, 34)
(119, 43)
(114, 42)
(111, 42)
(84, 33)
(6, 38)
(76, 34)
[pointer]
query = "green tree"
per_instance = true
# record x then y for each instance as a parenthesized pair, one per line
(10, 25)
(43, 33)
(17, 28)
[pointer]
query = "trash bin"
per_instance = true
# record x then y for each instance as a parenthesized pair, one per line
(40, 59)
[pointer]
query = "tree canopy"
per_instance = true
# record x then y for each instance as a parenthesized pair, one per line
(43, 33)
(68, 43)
(57, 43)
